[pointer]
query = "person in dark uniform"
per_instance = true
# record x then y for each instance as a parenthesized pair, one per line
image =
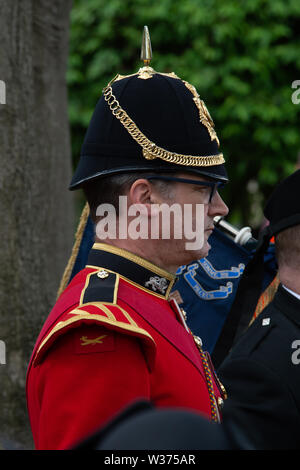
(113, 336)
(141, 426)
(261, 374)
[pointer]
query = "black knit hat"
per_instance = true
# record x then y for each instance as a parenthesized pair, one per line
(149, 121)
(282, 211)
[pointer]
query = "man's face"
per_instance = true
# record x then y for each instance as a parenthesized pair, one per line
(193, 195)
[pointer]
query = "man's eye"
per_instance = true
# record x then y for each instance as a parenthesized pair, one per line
(203, 189)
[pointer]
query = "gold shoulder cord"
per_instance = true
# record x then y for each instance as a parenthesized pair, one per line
(75, 250)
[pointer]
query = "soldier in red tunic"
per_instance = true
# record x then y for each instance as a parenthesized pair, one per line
(114, 335)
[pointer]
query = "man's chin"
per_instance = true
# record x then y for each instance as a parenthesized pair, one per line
(202, 252)
(205, 250)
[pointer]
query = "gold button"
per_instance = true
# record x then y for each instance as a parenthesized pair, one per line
(220, 402)
(198, 340)
(102, 274)
(183, 313)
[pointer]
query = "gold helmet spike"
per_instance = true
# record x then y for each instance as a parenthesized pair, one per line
(146, 50)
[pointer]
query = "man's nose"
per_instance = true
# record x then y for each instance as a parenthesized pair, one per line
(217, 206)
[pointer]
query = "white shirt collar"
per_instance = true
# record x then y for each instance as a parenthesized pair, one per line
(292, 292)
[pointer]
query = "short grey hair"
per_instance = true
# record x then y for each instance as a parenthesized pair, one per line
(287, 247)
(107, 190)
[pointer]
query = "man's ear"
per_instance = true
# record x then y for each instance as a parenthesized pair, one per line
(144, 193)
(140, 192)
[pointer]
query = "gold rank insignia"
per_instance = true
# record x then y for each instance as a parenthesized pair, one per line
(94, 340)
(86, 341)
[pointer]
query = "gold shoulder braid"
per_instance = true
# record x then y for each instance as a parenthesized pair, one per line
(209, 371)
(75, 250)
(151, 150)
(214, 406)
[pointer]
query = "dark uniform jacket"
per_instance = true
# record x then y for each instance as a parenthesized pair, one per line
(262, 377)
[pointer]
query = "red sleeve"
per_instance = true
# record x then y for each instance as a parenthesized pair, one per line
(88, 375)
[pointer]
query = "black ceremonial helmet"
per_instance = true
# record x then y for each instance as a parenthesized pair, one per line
(149, 121)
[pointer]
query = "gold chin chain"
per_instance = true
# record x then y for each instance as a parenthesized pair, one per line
(151, 150)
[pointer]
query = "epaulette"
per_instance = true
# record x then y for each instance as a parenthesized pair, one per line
(98, 306)
(100, 286)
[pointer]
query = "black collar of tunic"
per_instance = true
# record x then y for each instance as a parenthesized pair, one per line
(132, 268)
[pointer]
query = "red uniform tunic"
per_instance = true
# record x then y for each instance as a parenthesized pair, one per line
(113, 338)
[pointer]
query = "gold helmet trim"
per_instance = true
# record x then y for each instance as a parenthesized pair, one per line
(150, 149)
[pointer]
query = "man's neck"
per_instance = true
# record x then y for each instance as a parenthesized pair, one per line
(148, 252)
(290, 278)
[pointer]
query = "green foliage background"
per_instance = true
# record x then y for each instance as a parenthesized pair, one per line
(242, 56)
